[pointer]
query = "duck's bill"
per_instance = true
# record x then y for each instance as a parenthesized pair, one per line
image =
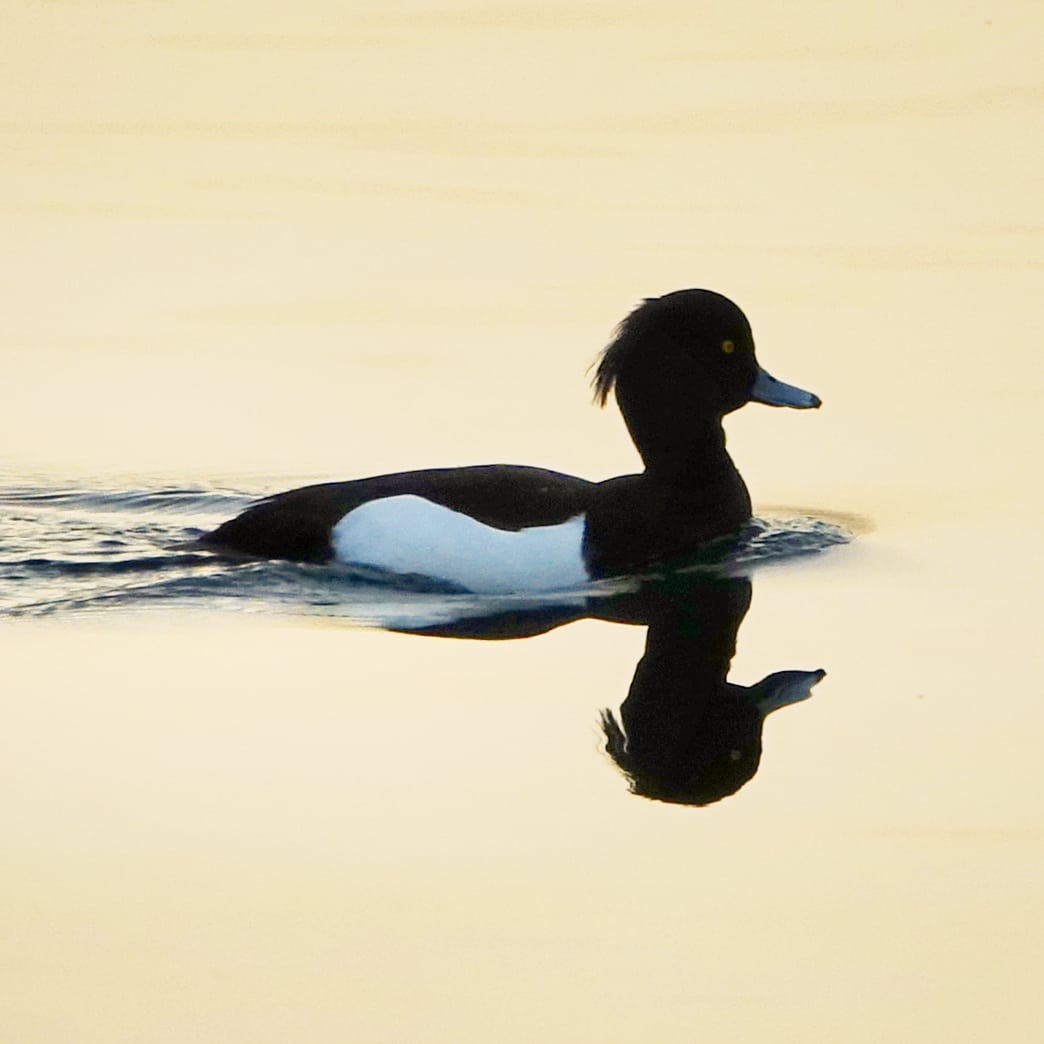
(775, 393)
(786, 687)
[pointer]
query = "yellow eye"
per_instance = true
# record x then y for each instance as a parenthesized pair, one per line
(728, 347)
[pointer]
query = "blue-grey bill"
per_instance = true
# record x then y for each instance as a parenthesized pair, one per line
(775, 393)
(784, 688)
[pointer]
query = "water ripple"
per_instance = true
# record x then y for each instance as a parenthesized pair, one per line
(73, 549)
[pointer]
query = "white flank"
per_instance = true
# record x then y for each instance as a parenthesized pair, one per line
(408, 534)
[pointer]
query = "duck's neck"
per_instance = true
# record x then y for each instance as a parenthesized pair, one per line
(690, 458)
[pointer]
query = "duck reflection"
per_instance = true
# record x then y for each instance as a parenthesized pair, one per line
(684, 734)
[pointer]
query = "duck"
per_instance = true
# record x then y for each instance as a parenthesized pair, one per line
(677, 365)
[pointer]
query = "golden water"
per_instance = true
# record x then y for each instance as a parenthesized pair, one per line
(274, 243)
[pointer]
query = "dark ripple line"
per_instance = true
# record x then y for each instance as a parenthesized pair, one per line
(56, 567)
(195, 499)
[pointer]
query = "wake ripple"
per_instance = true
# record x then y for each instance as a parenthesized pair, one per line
(73, 549)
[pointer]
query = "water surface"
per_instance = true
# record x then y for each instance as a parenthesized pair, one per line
(252, 248)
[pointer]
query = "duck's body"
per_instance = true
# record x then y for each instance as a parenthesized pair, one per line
(678, 365)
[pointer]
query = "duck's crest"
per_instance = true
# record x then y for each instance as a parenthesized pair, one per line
(607, 366)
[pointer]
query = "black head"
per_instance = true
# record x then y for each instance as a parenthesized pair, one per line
(702, 752)
(678, 364)
(691, 740)
(695, 345)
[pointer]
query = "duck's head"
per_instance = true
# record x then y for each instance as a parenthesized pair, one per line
(690, 352)
(699, 749)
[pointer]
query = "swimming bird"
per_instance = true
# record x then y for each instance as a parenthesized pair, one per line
(677, 365)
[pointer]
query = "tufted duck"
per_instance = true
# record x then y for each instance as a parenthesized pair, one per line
(677, 365)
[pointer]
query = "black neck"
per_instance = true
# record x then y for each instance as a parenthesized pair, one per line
(693, 454)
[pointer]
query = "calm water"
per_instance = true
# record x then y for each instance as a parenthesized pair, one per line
(254, 247)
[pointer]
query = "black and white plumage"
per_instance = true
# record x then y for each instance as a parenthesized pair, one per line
(677, 365)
